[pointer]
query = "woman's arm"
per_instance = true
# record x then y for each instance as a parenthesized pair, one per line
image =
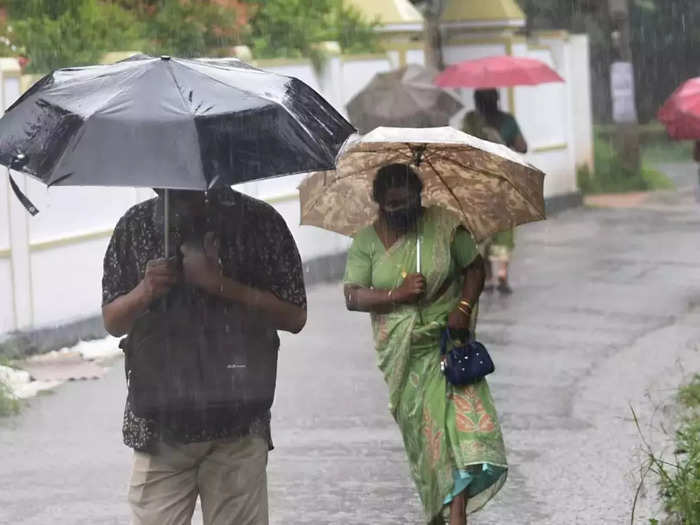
(360, 299)
(474, 277)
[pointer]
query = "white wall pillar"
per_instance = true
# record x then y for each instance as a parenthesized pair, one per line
(567, 71)
(20, 258)
(330, 78)
(18, 218)
(583, 105)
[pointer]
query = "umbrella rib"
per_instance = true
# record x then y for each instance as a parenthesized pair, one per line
(444, 183)
(489, 174)
(188, 108)
(269, 99)
(492, 174)
(339, 178)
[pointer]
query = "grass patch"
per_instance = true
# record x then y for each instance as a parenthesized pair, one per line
(656, 180)
(656, 147)
(9, 404)
(612, 176)
(662, 151)
(679, 480)
(689, 395)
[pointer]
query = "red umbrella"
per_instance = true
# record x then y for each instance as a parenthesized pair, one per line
(681, 112)
(497, 71)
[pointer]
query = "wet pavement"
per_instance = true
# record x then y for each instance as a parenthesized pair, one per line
(605, 317)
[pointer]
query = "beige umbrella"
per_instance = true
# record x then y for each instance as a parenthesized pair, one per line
(490, 187)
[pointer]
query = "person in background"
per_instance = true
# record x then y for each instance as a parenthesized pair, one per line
(451, 434)
(488, 122)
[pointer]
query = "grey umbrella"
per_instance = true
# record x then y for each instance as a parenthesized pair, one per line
(404, 97)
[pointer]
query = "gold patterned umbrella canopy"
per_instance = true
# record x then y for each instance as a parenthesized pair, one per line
(490, 187)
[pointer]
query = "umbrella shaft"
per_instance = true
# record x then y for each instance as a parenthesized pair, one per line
(418, 257)
(166, 221)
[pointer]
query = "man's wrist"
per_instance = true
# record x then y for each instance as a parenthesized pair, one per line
(142, 298)
(222, 286)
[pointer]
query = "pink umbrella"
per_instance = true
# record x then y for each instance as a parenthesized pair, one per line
(681, 112)
(496, 72)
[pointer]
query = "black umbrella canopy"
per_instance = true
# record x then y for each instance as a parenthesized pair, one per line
(169, 123)
(404, 98)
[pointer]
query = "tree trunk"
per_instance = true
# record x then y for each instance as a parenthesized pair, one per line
(433, 42)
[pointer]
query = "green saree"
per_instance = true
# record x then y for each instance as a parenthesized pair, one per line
(450, 433)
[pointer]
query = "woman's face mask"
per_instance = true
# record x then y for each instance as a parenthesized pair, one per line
(402, 209)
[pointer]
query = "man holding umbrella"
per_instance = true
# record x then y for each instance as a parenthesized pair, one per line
(217, 453)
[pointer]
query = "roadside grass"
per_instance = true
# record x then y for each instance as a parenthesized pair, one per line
(9, 404)
(663, 151)
(612, 176)
(655, 145)
(679, 478)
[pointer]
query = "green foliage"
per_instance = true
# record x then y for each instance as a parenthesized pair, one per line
(70, 33)
(689, 395)
(9, 404)
(612, 176)
(190, 29)
(351, 30)
(667, 151)
(679, 479)
(291, 28)
(39, 8)
(61, 33)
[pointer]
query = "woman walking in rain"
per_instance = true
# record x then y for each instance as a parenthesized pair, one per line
(413, 289)
(488, 122)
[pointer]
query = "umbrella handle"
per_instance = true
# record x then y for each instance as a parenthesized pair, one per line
(418, 257)
(18, 161)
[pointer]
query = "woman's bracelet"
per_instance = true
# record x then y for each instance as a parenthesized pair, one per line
(466, 304)
(467, 313)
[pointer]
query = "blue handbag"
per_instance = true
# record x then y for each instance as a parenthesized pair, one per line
(466, 363)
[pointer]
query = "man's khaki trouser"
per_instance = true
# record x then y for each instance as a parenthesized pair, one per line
(228, 475)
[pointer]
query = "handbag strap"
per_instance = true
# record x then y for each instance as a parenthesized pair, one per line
(447, 338)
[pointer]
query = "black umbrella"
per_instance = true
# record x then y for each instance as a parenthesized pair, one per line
(403, 98)
(168, 123)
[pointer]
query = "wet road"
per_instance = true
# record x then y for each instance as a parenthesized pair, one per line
(606, 314)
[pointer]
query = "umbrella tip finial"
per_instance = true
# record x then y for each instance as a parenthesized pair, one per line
(165, 57)
(18, 160)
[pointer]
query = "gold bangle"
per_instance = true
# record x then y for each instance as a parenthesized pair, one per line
(465, 312)
(466, 304)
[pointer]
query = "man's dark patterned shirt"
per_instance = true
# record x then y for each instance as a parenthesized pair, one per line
(255, 248)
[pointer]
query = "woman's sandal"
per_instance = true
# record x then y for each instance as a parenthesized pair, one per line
(504, 288)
